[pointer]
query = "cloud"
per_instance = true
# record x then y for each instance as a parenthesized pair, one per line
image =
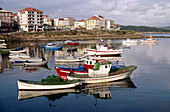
(128, 12)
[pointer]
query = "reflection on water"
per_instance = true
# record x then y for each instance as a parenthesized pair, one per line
(1, 68)
(99, 91)
(151, 78)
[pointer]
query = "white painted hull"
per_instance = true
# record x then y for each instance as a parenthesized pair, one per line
(103, 52)
(16, 52)
(103, 79)
(19, 56)
(27, 86)
(27, 59)
(68, 60)
(149, 41)
(36, 63)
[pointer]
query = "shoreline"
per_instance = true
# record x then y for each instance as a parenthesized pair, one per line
(73, 35)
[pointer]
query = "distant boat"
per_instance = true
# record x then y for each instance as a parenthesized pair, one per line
(69, 59)
(53, 47)
(2, 44)
(129, 42)
(22, 60)
(6, 51)
(24, 56)
(149, 40)
(71, 49)
(43, 63)
(103, 50)
(68, 42)
(50, 83)
(18, 51)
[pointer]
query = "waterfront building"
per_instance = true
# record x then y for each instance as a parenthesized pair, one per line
(64, 23)
(93, 23)
(15, 22)
(69, 22)
(80, 24)
(6, 21)
(102, 22)
(110, 24)
(56, 23)
(61, 22)
(31, 19)
(48, 22)
(117, 26)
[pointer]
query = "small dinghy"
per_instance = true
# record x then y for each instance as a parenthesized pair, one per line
(50, 83)
(43, 63)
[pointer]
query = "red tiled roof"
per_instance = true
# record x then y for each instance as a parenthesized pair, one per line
(46, 16)
(61, 19)
(82, 20)
(14, 14)
(30, 9)
(69, 17)
(93, 18)
(116, 24)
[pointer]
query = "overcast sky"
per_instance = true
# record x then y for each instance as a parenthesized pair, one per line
(124, 12)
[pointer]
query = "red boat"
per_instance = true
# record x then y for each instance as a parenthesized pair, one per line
(71, 43)
(64, 71)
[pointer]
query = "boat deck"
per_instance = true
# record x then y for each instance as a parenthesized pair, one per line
(111, 73)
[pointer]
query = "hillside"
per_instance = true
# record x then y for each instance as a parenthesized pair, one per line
(167, 28)
(144, 29)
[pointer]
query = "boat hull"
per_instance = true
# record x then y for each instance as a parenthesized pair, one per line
(16, 52)
(22, 86)
(68, 60)
(93, 52)
(72, 43)
(103, 79)
(63, 73)
(36, 64)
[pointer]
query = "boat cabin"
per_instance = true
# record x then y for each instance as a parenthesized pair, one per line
(100, 69)
(89, 63)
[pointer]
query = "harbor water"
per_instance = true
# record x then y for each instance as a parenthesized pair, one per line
(147, 90)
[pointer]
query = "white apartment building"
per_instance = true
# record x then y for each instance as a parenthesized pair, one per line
(102, 21)
(64, 22)
(93, 23)
(80, 23)
(31, 19)
(69, 22)
(110, 24)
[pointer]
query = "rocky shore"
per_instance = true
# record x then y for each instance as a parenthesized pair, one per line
(70, 35)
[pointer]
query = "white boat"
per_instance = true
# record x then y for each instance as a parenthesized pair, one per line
(111, 58)
(22, 60)
(17, 52)
(102, 72)
(103, 50)
(23, 56)
(69, 59)
(2, 44)
(43, 63)
(51, 83)
(129, 42)
(149, 40)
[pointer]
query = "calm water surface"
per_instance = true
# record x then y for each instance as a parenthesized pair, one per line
(148, 90)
